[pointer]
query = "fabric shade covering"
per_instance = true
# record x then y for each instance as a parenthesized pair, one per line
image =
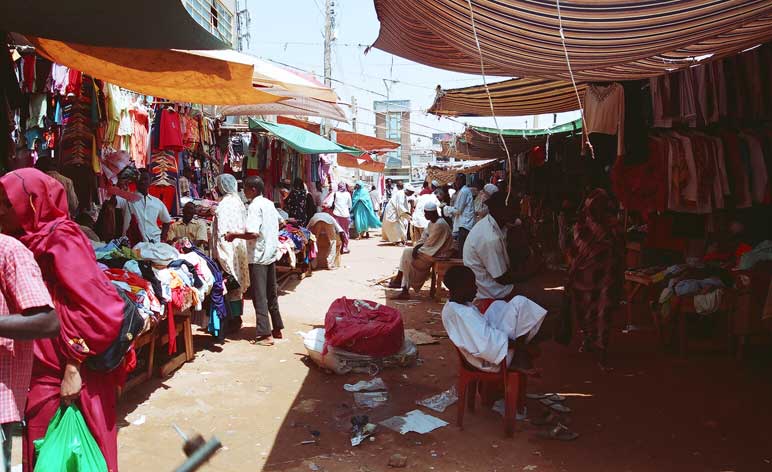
(515, 97)
(174, 75)
(275, 79)
(446, 174)
(301, 140)
(606, 39)
(478, 143)
(291, 106)
(363, 162)
(363, 142)
(143, 24)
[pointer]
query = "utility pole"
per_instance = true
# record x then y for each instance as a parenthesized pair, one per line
(243, 21)
(329, 27)
(354, 127)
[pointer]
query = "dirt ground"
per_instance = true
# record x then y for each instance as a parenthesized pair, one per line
(655, 411)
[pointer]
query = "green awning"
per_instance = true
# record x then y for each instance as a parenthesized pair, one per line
(571, 126)
(301, 140)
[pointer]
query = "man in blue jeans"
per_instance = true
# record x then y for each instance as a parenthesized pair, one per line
(262, 236)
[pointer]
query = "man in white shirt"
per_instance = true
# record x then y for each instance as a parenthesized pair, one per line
(502, 333)
(375, 198)
(485, 251)
(462, 211)
(147, 210)
(262, 236)
(341, 210)
(416, 263)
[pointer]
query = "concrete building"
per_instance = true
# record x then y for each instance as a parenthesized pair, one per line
(392, 122)
(216, 16)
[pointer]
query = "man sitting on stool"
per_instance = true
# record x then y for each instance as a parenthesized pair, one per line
(485, 340)
(416, 263)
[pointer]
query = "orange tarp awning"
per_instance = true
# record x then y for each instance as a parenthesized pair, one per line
(174, 75)
(346, 138)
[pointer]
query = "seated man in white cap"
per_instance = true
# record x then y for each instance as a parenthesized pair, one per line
(416, 263)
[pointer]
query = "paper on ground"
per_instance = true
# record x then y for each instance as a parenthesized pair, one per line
(370, 399)
(416, 421)
(366, 385)
(441, 401)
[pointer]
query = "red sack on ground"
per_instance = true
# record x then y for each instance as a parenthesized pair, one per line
(363, 327)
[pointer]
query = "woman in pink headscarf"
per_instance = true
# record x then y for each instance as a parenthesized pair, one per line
(33, 208)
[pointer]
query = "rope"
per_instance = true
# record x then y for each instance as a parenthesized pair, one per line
(573, 81)
(490, 102)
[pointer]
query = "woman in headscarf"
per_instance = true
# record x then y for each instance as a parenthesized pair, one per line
(230, 217)
(596, 271)
(296, 203)
(362, 211)
(33, 208)
(341, 211)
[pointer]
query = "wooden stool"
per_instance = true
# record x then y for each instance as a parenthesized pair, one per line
(439, 268)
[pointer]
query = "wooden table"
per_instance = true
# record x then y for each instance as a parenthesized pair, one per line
(647, 284)
(439, 268)
(159, 336)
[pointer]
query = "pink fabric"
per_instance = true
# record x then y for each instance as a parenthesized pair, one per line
(21, 288)
(89, 308)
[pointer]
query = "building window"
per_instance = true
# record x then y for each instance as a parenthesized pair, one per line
(393, 126)
(213, 16)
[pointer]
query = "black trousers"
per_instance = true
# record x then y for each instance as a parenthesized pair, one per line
(462, 234)
(265, 298)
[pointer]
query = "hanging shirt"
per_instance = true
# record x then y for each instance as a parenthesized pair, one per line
(148, 210)
(171, 132)
(485, 253)
(604, 111)
(263, 220)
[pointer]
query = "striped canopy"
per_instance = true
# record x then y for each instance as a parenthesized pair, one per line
(513, 97)
(477, 143)
(606, 39)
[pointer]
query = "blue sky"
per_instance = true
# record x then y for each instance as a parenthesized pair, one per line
(291, 31)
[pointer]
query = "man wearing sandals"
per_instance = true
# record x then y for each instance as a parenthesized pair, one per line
(262, 236)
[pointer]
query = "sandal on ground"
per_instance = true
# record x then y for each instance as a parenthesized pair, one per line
(549, 396)
(555, 406)
(559, 433)
(262, 341)
(276, 334)
(550, 418)
(394, 285)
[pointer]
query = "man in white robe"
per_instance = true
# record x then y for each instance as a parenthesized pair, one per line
(396, 216)
(501, 333)
(416, 263)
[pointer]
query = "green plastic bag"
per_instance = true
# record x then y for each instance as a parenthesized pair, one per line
(68, 445)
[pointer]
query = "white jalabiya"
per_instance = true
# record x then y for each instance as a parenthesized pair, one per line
(483, 339)
(395, 218)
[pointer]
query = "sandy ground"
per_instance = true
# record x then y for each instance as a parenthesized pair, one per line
(654, 412)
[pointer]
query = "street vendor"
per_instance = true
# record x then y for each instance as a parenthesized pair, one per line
(416, 263)
(189, 227)
(485, 251)
(141, 216)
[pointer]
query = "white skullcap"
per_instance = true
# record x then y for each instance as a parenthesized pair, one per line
(490, 189)
(435, 183)
(409, 188)
(430, 206)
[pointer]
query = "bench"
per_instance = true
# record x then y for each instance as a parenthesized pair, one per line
(439, 268)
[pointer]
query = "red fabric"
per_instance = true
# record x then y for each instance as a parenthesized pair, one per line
(643, 187)
(28, 73)
(89, 308)
(171, 133)
(165, 193)
(75, 82)
(364, 327)
(170, 326)
(484, 304)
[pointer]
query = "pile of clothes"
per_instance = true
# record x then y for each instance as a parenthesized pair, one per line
(294, 240)
(706, 283)
(158, 277)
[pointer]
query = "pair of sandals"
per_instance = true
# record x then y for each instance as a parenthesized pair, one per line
(267, 340)
(553, 417)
